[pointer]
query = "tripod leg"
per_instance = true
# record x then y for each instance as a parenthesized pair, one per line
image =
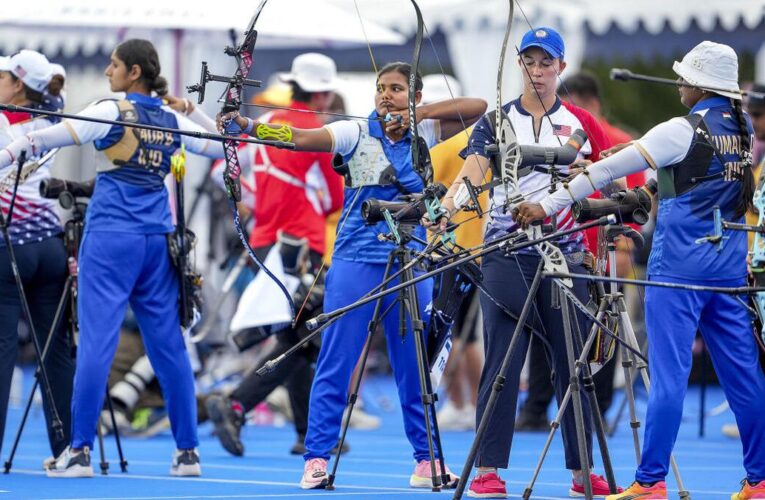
(9, 461)
(498, 383)
(100, 432)
(564, 404)
(632, 340)
(54, 327)
(56, 425)
(597, 419)
(123, 462)
(429, 398)
(584, 459)
(373, 324)
(418, 330)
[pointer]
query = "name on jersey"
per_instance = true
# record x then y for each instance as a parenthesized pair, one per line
(156, 137)
(728, 144)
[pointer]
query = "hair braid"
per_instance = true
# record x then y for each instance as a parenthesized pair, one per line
(747, 191)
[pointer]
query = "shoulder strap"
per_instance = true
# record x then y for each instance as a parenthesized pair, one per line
(121, 151)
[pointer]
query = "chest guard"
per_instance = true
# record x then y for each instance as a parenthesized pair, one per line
(121, 151)
(137, 148)
(368, 166)
(676, 180)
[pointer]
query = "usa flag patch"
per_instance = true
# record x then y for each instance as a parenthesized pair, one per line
(562, 130)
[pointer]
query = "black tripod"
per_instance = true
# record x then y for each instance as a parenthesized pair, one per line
(41, 372)
(408, 304)
(611, 305)
(573, 346)
(73, 231)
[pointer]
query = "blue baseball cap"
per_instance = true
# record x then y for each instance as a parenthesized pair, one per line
(546, 39)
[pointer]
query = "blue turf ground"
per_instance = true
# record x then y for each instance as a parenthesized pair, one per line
(378, 465)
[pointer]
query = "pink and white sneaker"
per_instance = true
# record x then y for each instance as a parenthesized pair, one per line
(421, 477)
(487, 485)
(314, 474)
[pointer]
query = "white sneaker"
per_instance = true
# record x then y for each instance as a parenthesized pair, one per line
(731, 430)
(186, 463)
(49, 462)
(70, 464)
(451, 418)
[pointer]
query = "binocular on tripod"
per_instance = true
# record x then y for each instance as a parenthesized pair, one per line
(628, 206)
(66, 191)
(410, 210)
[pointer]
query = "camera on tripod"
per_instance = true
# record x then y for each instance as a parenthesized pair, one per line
(408, 211)
(628, 206)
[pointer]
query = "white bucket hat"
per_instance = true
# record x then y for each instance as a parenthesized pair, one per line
(312, 72)
(711, 64)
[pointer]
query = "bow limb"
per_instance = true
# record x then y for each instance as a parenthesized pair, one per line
(419, 164)
(510, 159)
(243, 54)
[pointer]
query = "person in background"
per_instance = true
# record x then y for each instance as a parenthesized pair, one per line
(293, 193)
(28, 79)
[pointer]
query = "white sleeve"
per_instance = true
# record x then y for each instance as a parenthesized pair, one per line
(84, 132)
(430, 130)
(345, 136)
(200, 118)
(627, 161)
(204, 147)
(667, 143)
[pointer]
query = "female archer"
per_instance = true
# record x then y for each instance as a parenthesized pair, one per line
(702, 161)
(538, 116)
(124, 255)
(359, 260)
(28, 79)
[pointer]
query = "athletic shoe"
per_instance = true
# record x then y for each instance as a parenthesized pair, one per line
(731, 430)
(749, 491)
(70, 464)
(49, 462)
(451, 418)
(487, 486)
(227, 417)
(362, 420)
(314, 474)
(599, 488)
(636, 491)
(186, 463)
(421, 477)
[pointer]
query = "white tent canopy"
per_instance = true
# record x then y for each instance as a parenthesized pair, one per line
(474, 29)
(92, 25)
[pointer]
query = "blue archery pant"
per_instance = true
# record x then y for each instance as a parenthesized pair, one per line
(341, 347)
(508, 281)
(117, 269)
(672, 319)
